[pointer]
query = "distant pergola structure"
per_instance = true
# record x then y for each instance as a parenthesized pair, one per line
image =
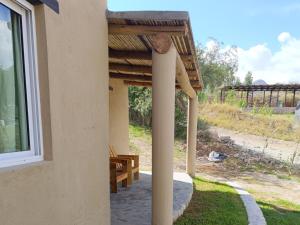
(264, 95)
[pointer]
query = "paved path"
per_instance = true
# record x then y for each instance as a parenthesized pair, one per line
(277, 149)
(132, 206)
(255, 215)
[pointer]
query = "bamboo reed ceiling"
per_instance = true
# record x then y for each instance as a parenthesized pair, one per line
(130, 48)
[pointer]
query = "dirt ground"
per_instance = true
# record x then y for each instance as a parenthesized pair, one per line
(262, 176)
(274, 148)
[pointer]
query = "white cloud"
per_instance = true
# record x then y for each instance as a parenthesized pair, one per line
(284, 37)
(211, 44)
(282, 66)
(6, 53)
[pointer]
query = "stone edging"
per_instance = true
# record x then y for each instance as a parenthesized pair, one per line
(189, 191)
(255, 215)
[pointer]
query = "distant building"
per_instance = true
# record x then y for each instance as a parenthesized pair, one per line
(278, 95)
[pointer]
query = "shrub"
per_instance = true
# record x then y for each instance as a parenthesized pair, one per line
(140, 109)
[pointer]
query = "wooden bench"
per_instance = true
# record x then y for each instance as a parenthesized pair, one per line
(119, 172)
(134, 163)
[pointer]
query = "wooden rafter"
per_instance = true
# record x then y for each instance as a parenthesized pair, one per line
(139, 84)
(130, 77)
(136, 55)
(137, 69)
(149, 84)
(130, 68)
(133, 36)
(275, 87)
(183, 78)
(140, 55)
(141, 77)
(125, 29)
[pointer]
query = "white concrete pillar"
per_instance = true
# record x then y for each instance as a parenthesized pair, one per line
(192, 136)
(163, 109)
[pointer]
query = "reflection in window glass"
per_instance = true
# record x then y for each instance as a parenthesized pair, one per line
(13, 111)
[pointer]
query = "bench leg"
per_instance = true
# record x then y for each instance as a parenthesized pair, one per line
(137, 175)
(113, 179)
(113, 187)
(129, 177)
(125, 183)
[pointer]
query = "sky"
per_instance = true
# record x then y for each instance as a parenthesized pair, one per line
(266, 32)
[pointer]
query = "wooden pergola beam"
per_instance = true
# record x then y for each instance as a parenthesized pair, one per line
(136, 80)
(137, 69)
(130, 77)
(136, 55)
(130, 68)
(140, 55)
(125, 29)
(138, 84)
(183, 78)
(142, 84)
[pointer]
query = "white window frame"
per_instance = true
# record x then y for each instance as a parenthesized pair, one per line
(26, 10)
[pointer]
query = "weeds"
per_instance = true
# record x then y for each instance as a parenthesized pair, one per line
(261, 124)
(292, 161)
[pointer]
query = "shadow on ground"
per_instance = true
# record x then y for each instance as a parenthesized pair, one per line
(276, 215)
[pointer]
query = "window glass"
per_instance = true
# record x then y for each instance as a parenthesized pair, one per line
(14, 135)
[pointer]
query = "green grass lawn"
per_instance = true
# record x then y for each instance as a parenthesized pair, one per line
(214, 204)
(136, 131)
(280, 212)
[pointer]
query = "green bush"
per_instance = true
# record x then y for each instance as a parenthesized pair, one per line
(140, 109)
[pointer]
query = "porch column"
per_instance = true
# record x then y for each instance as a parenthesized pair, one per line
(163, 109)
(192, 136)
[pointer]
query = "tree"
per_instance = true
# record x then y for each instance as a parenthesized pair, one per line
(140, 105)
(218, 65)
(248, 79)
(140, 109)
(238, 81)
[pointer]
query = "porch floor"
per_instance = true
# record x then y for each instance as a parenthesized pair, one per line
(132, 206)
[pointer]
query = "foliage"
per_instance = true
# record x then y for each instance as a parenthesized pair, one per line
(202, 97)
(264, 110)
(140, 105)
(233, 100)
(231, 97)
(238, 81)
(248, 79)
(181, 115)
(217, 65)
(232, 117)
(214, 203)
(140, 109)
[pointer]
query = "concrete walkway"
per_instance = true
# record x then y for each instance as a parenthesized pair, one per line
(132, 206)
(255, 215)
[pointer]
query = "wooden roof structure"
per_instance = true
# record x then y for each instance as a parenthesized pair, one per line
(264, 88)
(275, 87)
(131, 39)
